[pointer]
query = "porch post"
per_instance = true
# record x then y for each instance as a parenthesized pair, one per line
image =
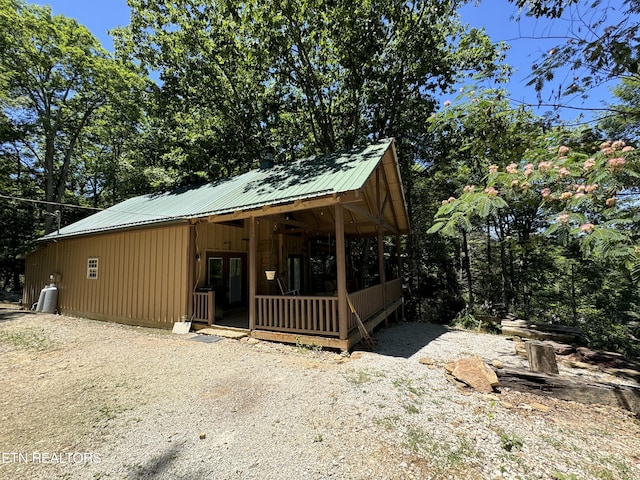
(252, 273)
(381, 271)
(341, 273)
(400, 276)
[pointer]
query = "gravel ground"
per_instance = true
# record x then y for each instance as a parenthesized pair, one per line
(86, 399)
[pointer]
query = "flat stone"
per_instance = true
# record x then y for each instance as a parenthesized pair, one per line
(475, 373)
(224, 332)
(539, 406)
(497, 363)
(426, 361)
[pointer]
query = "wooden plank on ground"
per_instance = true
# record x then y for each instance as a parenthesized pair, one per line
(623, 396)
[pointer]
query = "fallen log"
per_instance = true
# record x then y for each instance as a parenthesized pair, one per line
(539, 334)
(624, 396)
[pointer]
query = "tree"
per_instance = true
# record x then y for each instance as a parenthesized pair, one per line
(602, 44)
(54, 78)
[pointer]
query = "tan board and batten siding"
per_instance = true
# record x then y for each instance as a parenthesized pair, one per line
(143, 275)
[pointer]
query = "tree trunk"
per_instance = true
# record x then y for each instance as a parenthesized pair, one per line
(467, 267)
(542, 357)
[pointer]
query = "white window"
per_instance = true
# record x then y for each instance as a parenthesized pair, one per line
(92, 268)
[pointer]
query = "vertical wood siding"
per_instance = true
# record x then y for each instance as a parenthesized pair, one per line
(142, 275)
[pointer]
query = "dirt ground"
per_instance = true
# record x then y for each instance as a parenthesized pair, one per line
(87, 399)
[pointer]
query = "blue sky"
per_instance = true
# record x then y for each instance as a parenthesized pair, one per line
(100, 16)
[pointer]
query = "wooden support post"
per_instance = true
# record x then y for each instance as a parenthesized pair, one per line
(400, 273)
(343, 308)
(211, 305)
(193, 264)
(381, 271)
(542, 357)
(253, 271)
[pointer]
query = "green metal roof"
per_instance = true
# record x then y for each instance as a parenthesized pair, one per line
(303, 179)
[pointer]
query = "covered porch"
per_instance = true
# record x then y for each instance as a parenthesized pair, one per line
(319, 268)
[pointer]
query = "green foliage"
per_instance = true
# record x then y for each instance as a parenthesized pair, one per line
(603, 47)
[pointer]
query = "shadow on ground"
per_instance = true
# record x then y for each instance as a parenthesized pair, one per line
(407, 338)
(12, 312)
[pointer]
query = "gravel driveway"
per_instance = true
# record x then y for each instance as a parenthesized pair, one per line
(87, 399)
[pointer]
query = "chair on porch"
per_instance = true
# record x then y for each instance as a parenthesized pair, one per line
(283, 289)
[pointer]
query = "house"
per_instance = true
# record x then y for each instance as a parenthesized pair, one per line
(288, 252)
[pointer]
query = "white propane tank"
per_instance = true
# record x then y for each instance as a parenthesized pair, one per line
(48, 299)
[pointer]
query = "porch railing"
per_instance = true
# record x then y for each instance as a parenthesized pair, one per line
(318, 315)
(204, 307)
(369, 301)
(298, 314)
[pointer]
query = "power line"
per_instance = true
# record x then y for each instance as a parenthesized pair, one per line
(48, 203)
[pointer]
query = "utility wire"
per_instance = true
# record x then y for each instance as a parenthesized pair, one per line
(48, 203)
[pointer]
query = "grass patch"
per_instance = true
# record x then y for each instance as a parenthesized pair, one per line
(407, 385)
(27, 339)
(362, 376)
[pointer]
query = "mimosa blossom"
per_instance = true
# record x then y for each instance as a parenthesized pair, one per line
(544, 166)
(618, 145)
(616, 164)
(566, 196)
(493, 168)
(563, 150)
(528, 169)
(628, 148)
(469, 188)
(591, 188)
(512, 168)
(564, 172)
(562, 219)
(515, 183)
(610, 202)
(587, 227)
(492, 192)
(589, 163)
(545, 192)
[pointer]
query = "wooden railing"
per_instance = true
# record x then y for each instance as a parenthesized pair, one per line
(369, 301)
(316, 315)
(204, 307)
(297, 314)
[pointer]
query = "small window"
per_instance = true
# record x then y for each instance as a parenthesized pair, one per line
(92, 268)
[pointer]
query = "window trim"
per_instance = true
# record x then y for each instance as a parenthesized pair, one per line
(92, 268)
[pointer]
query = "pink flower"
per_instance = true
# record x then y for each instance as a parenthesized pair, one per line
(493, 168)
(605, 145)
(579, 188)
(591, 188)
(563, 172)
(447, 103)
(579, 195)
(491, 192)
(525, 185)
(515, 183)
(562, 219)
(562, 151)
(589, 163)
(628, 148)
(444, 202)
(609, 151)
(469, 188)
(545, 192)
(610, 202)
(587, 227)
(512, 168)
(616, 164)
(566, 196)
(451, 199)
(544, 166)
(618, 145)
(528, 169)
